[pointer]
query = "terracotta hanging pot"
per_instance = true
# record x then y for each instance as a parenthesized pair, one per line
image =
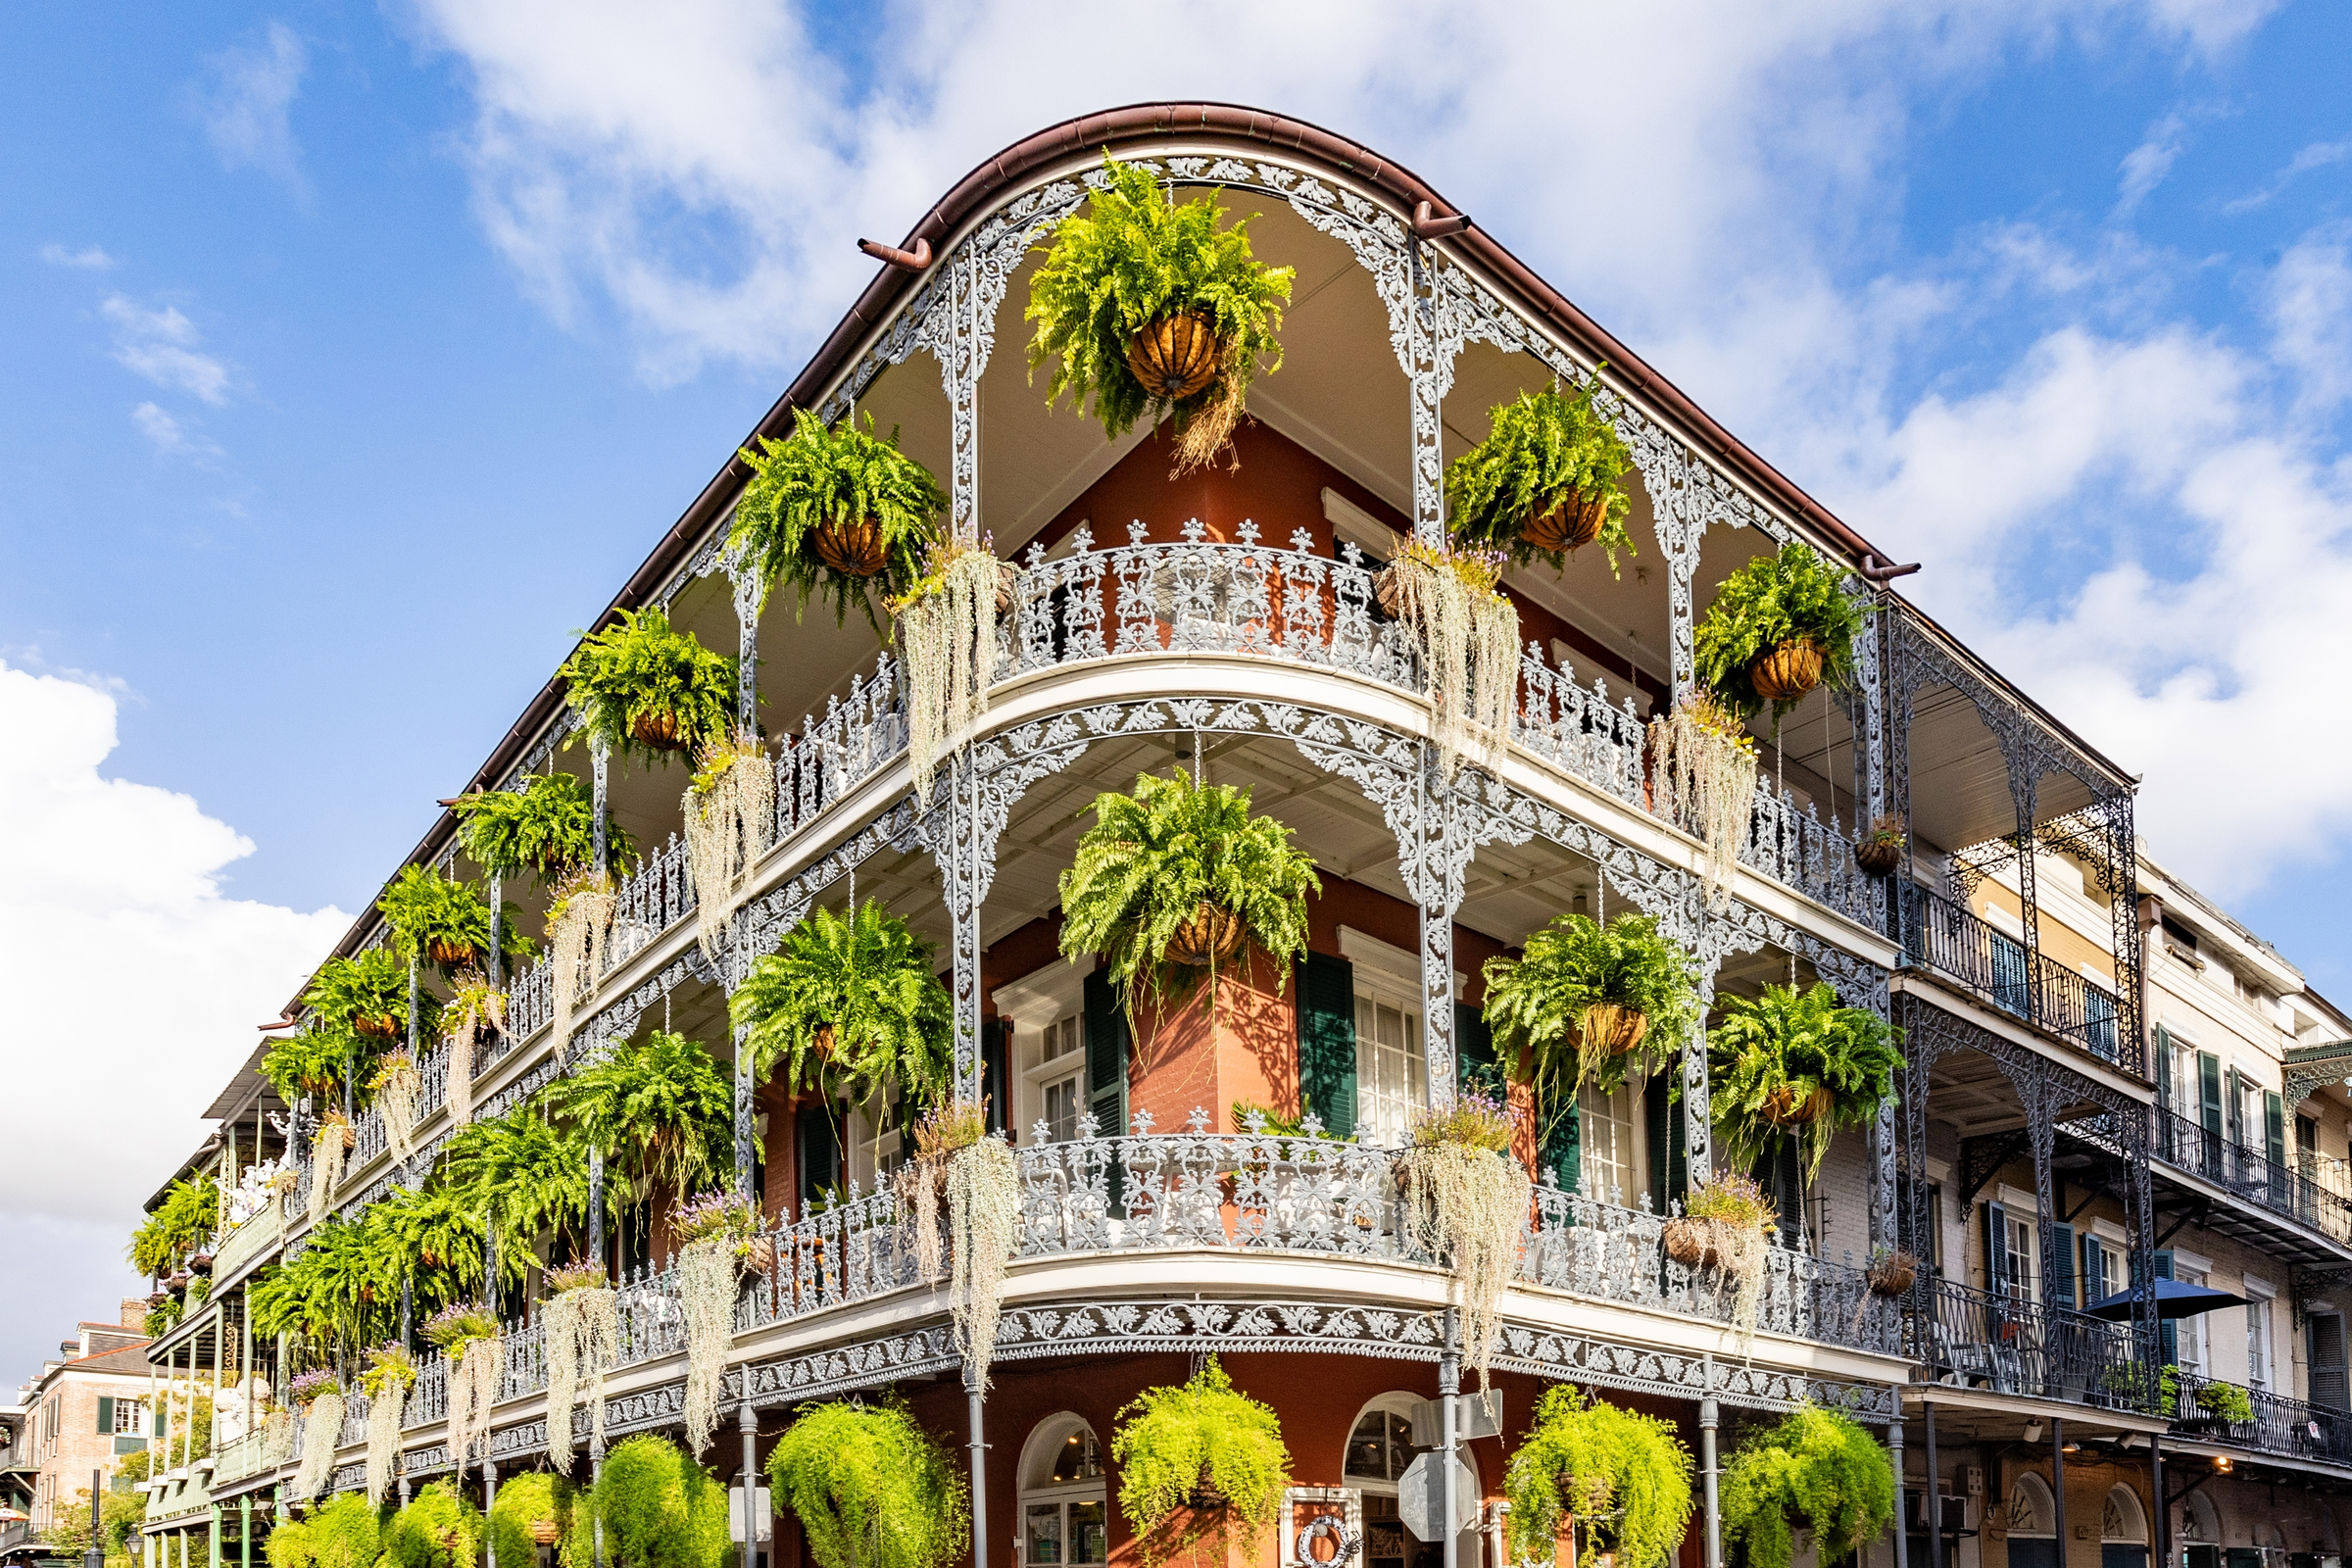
(1175, 356)
(1610, 1028)
(1573, 522)
(1209, 935)
(1788, 671)
(663, 732)
(822, 1041)
(450, 954)
(852, 548)
(1785, 1108)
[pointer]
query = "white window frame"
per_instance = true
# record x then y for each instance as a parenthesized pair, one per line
(1632, 1162)
(1038, 1001)
(2262, 1343)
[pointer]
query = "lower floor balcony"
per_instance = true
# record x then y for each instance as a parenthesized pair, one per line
(2008, 1344)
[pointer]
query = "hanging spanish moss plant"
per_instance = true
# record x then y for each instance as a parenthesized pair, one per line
(391, 1373)
(715, 1235)
(321, 1400)
(396, 1084)
(578, 923)
(582, 1324)
(1727, 1225)
(1706, 769)
(475, 1009)
(277, 1436)
(977, 1180)
(1452, 600)
(327, 1148)
(469, 1337)
(946, 632)
(731, 813)
(1465, 1198)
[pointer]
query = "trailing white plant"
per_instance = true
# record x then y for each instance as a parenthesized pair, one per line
(1706, 768)
(1727, 1225)
(715, 1232)
(321, 1431)
(474, 1351)
(1465, 1198)
(391, 1373)
(959, 1168)
(327, 1148)
(1451, 598)
(577, 924)
(731, 813)
(581, 1321)
(277, 1436)
(947, 634)
(475, 1003)
(396, 1084)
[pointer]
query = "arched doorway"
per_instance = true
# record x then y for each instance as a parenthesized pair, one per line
(2200, 1533)
(1379, 1448)
(2031, 1523)
(1064, 1505)
(2123, 1530)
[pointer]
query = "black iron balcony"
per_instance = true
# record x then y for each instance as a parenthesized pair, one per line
(1944, 936)
(2010, 1344)
(2293, 1429)
(2313, 1189)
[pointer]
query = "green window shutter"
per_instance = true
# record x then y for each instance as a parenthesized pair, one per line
(1107, 1050)
(2164, 1069)
(2168, 1332)
(820, 1150)
(2209, 1092)
(996, 1041)
(1561, 1148)
(1327, 1042)
(2060, 1291)
(1669, 1171)
(106, 1414)
(1474, 1066)
(2273, 1128)
(1996, 1248)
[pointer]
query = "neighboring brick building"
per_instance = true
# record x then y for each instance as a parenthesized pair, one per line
(84, 1410)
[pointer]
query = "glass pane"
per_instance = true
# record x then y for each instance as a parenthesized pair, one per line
(1368, 1449)
(1078, 1460)
(1044, 1533)
(1089, 1535)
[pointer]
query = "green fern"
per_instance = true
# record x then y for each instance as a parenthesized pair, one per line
(1625, 1477)
(1544, 450)
(423, 907)
(1167, 1436)
(1817, 1469)
(1154, 858)
(876, 984)
(1790, 597)
(432, 1241)
(870, 1488)
(638, 667)
(1784, 1043)
(375, 985)
(313, 1062)
(337, 1292)
(522, 1174)
(1133, 255)
(843, 475)
(181, 1224)
(438, 1529)
(548, 828)
(659, 1508)
(525, 1500)
(659, 1111)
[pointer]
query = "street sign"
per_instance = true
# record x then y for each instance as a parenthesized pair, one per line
(1421, 1496)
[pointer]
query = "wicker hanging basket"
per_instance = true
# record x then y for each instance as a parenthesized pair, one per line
(450, 954)
(663, 732)
(1573, 522)
(822, 1041)
(377, 1025)
(1206, 1494)
(1892, 1274)
(1879, 856)
(1175, 356)
(545, 1531)
(1388, 590)
(1612, 1029)
(1008, 582)
(1788, 671)
(1785, 1108)
(1209, 935)
(852, 548)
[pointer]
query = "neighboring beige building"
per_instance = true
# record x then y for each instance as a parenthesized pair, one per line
(84, 1410)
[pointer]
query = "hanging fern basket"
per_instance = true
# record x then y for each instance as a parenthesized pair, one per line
(1175, 356)
(1892, 1274)
(1788, 671)
(1210, 934)
(1573, 522)
(1785, 1108)
(852, 548)
(450, 954)
(1611, 1029)
(663, 731)
(377, 1025)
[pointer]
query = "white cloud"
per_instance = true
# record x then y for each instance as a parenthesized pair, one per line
(164, 346)
(244, 104)
(89, 257)
(2309, 301)
(2145, 165)
(134, 984)
(168, 435)
(2319, 155)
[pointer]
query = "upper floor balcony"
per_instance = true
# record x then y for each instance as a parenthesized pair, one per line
(2029, 985)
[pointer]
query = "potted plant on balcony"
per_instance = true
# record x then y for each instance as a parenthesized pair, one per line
(839, 512)
(1465, 1200)
(580, 919)
(466, 1333)
(947, 633)
(547, 828)
(1891, 1272)
(974, 1177)
(367, 995)
(658, 1110)
(317, 1397)
(582, 1328)
(391, 1372)
(659, 1508)
(1548, 480)
(181, 1223)
(445, 922)
(646, 690)
(1881, 850)
(730, 813)
(714, 1236)
(1778, 627)
(852, 1009)
(531, 1510)
(1703, 780)
(1176, 881)
(328, 1148)
(870, 1488)
(1790, 1060)
(396, 1083)
(1625, 1478)
(2226, 1404)
(438, 1529)
(519, 1175)
(1194, 1459)
(1451, 598)
(1589, 1003)
(1154, 310)
(474, 1016)
(1816, 1470)
(310, 1062)
(1726, 1224)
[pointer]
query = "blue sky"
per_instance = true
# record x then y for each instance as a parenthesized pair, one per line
(355, 354)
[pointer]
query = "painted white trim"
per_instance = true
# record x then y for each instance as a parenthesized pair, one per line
(1390, 962)
(1355, 525)
(1045, 995)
